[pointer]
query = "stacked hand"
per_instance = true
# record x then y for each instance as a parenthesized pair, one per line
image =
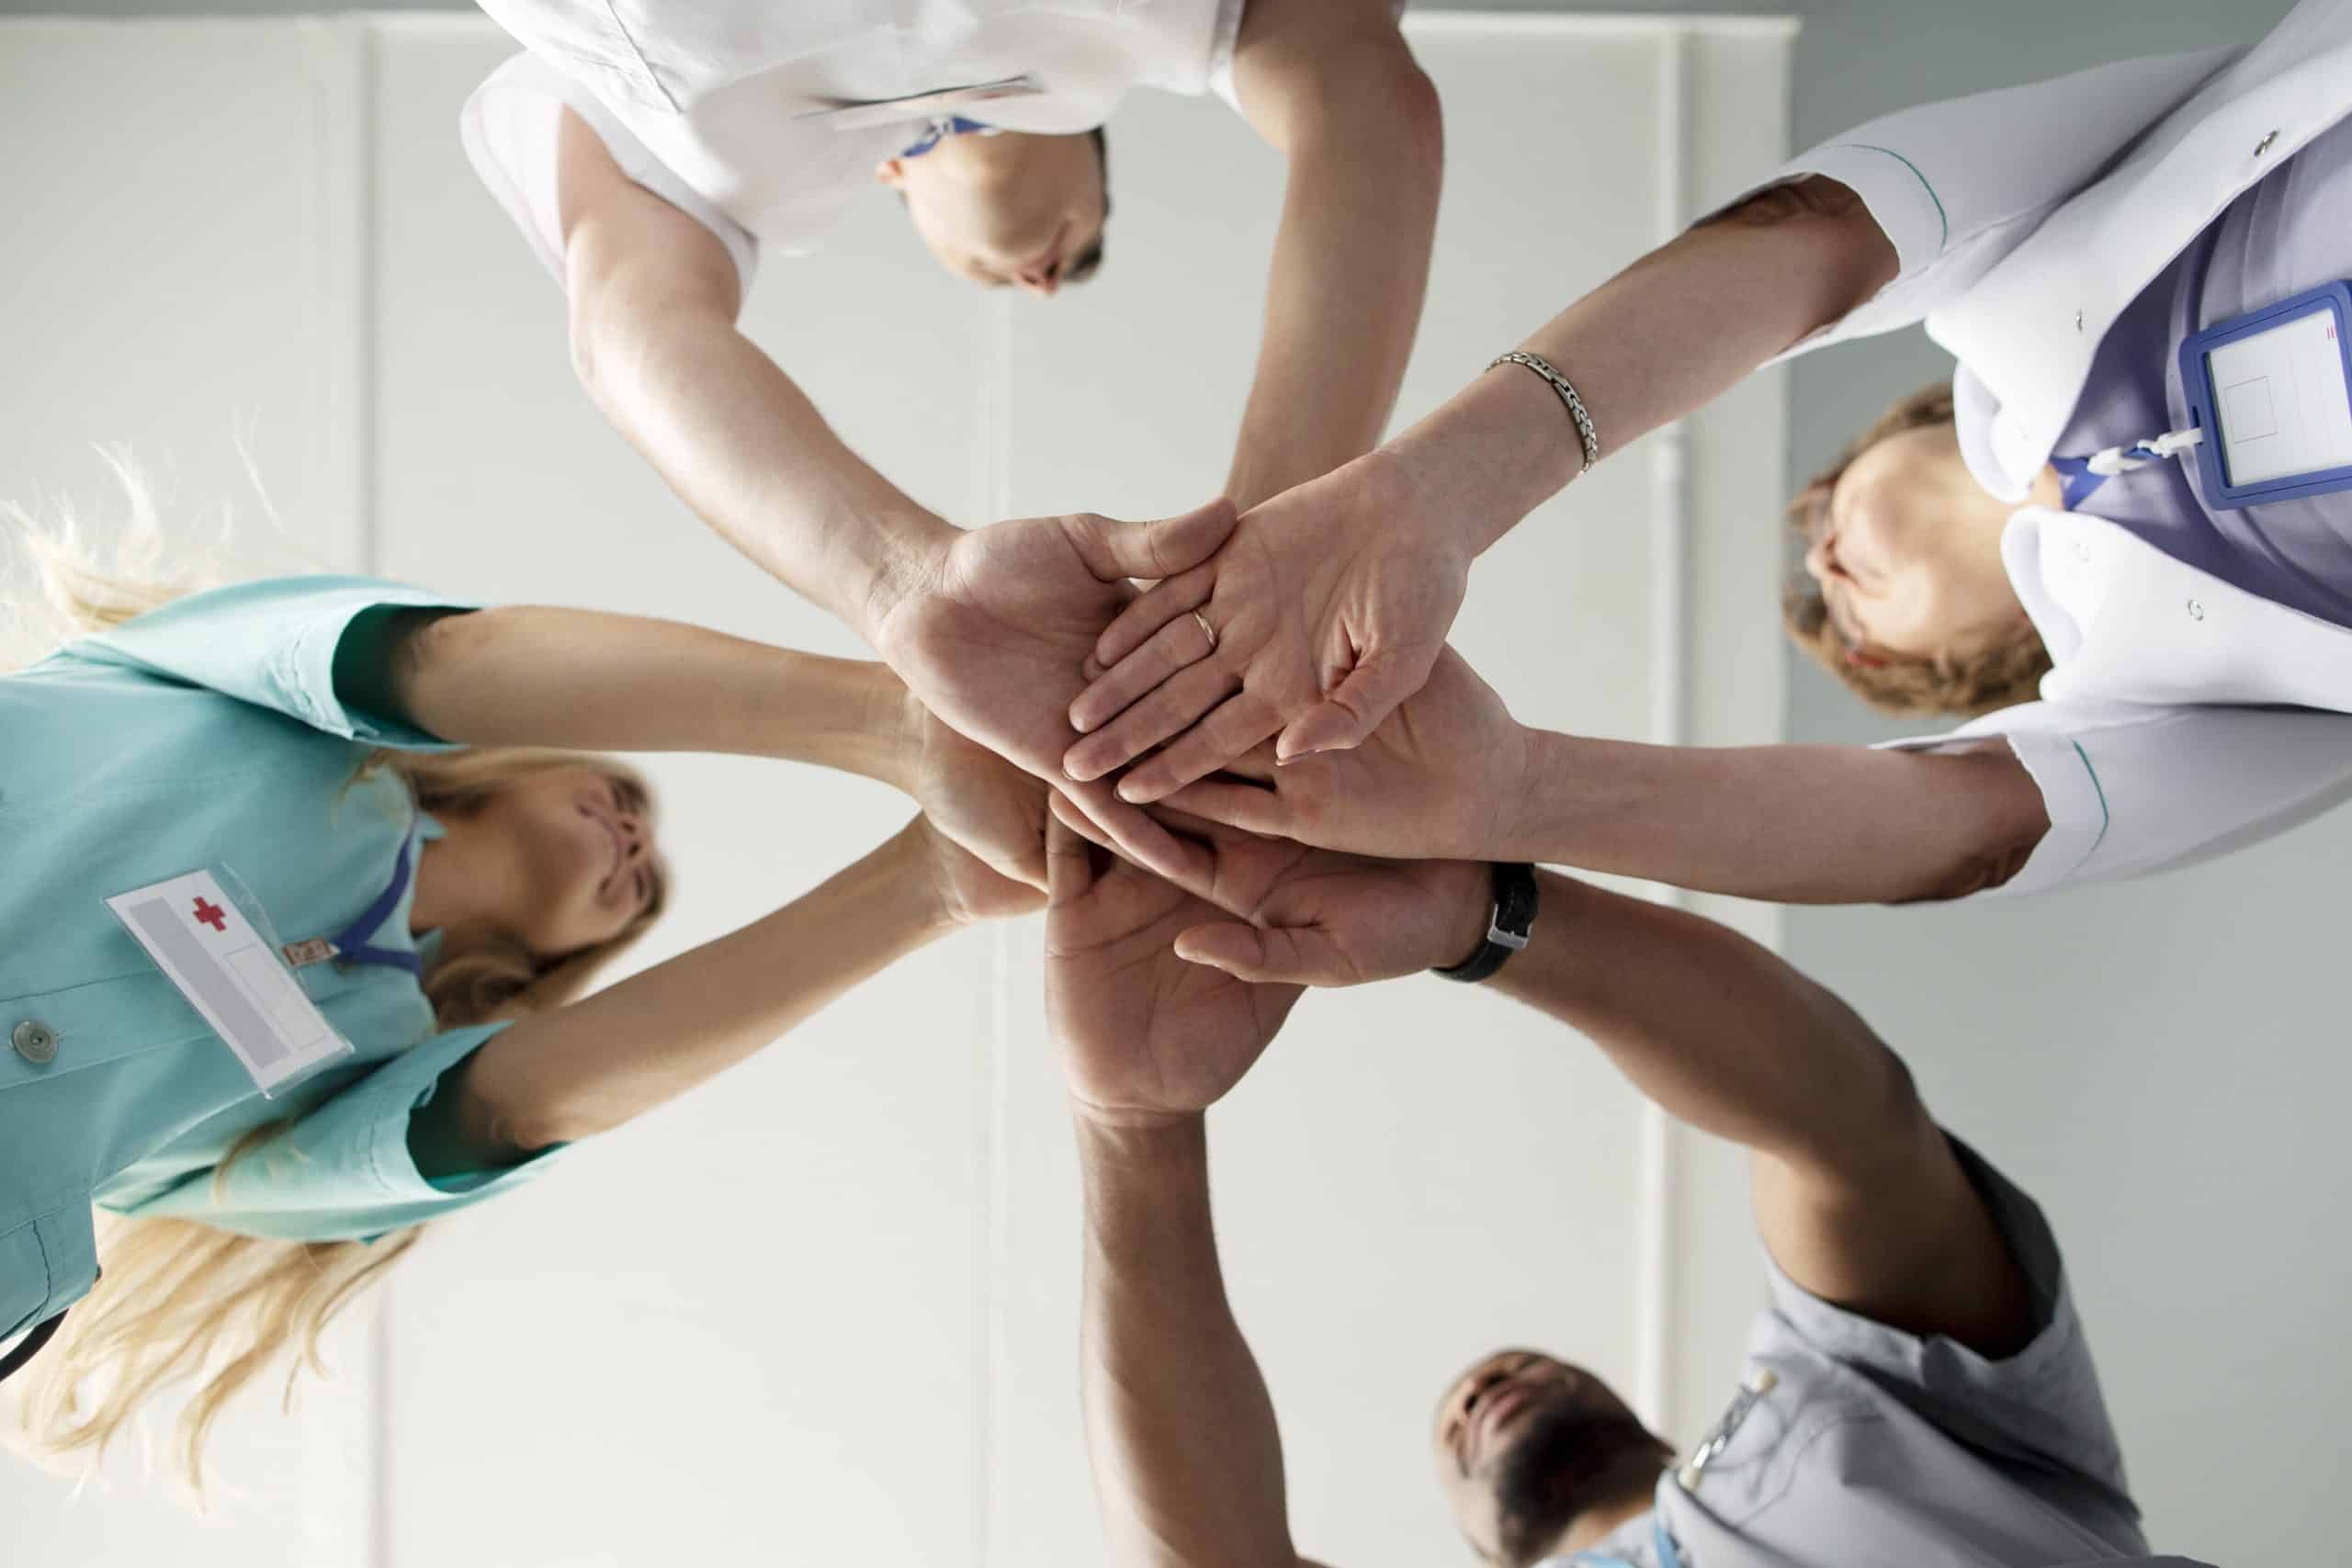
(991, 635)
(1322, 611)
(1177, 939)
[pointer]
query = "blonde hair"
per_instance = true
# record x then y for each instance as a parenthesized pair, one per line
(2008, 672)
(179, 1299)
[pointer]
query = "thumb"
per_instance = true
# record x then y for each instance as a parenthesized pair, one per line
(1114, 550)
(1297, 955)
(1351, 711)
(1237, 949)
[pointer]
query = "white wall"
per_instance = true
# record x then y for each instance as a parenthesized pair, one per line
(829, 1307)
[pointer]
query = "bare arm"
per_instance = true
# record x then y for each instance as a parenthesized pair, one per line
(1331, 85)
(588, 1068)
(1857, 1191)
(1451, 775)
(1331, 601)
(1793, 824)
(532, 675)
(654, 298)
(528, 675)
(1187, 1458)
(1661, 339)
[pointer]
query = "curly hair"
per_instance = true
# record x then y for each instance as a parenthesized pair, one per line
(2007, 673)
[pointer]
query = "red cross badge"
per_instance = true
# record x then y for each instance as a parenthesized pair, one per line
(210, 914)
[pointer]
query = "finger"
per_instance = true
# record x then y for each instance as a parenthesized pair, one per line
(1135, 837)
(1167, 711)
(1114, 550)
(1209, 745)
(1299, 955)
(1354, 708)
(1073, 820)
(1178, 645)
(1069, 872)
(1248, 806)
(1257, 763)
(1163, 601)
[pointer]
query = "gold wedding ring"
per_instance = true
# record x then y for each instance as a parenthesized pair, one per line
(1208, 630)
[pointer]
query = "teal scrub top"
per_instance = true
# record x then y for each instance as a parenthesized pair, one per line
(208, 732)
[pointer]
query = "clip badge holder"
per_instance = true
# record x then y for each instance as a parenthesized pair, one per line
(213, 940)
(2272, 391)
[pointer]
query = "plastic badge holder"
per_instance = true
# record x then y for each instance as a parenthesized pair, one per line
(2272, 390)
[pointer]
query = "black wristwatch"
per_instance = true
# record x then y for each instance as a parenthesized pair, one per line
(1506, 928)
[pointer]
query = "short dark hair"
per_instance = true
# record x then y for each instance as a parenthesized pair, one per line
(1089, 261)
(2001, 676)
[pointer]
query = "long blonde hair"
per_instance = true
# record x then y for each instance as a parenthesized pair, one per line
(181, 1299)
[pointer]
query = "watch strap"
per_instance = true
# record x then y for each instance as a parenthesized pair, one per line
(1509, 925)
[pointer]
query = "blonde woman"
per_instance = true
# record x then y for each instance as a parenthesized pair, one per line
(444, 908)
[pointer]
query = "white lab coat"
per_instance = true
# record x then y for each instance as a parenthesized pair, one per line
(756, 119)
(2147, 744)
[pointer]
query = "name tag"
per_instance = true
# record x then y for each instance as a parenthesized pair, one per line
(2272, 390)
(233, 975)
(922, 105)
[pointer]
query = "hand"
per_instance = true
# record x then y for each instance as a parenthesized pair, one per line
(1326, 605)
(1315, 918)
(991, 634)
(967, 890)
(1437, 780)
(972, 795)
(1146, 1037)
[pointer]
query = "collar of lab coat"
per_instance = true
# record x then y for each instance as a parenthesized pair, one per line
(2126, 623)
(2029, 328)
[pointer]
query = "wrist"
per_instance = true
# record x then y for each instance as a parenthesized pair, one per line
(1138, 1139)
(1497, 450)
(910, 549)
(919, 892)
(1527, 765)
(1474, 909)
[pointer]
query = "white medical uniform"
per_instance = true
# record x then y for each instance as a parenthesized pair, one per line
(2150, 744)
(748, 118)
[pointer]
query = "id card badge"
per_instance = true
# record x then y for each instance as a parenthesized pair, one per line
(2272, 391)
(859, 115)
(216, 948)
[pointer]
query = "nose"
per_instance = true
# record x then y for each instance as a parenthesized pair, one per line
(635, 835)
(1043, 281)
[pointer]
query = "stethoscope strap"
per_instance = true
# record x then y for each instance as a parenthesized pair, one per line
(30, 1345)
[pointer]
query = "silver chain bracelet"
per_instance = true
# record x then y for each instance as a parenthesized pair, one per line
(1585, 431)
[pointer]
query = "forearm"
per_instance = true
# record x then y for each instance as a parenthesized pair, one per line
(592, 1065)
(529, 675)
(1187, 1459)
(1793, 824)
(1657, 342)
(1714, 1029)
(747, 450)
(1351, 268)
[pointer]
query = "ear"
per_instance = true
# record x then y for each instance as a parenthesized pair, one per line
(890, 171)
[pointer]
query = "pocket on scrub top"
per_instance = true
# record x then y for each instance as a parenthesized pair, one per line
(24, 1280)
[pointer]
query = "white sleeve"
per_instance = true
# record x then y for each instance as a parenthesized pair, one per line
(510, 126)
(2131, 791)
(1957, 185)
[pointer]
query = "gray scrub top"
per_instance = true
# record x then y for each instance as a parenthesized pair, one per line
(2289, 231)
(1858, 1445)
